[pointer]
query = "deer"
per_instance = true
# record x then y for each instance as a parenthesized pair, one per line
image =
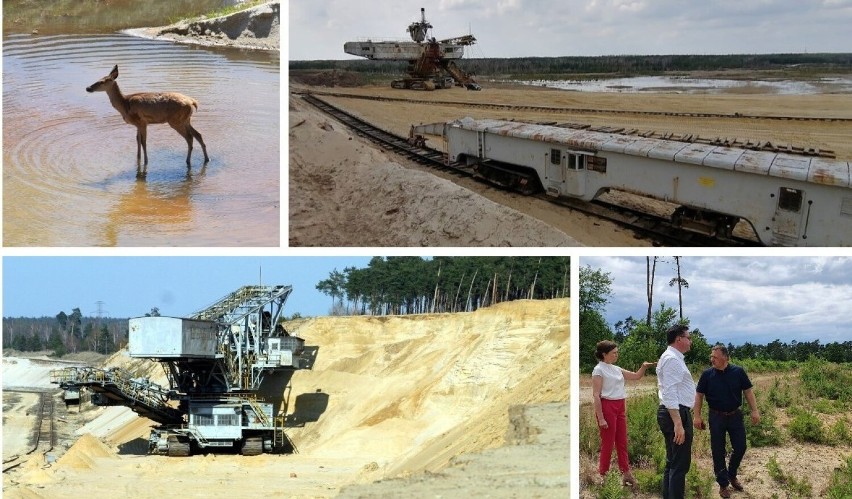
(144, 108)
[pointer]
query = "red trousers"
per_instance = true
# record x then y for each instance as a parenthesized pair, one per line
(615, 415)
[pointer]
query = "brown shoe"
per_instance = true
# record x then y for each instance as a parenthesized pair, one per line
(628, 479)
(736, 484)
(724, 492)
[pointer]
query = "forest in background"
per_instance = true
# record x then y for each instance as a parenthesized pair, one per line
(644, 338)
(609, 66)
(387, 286)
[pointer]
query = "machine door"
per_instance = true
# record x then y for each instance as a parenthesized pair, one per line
(789, 215)
(564, 173)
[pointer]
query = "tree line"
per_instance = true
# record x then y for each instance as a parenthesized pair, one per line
(615, 65)
(644, 339)
(392, 285)
(415, 285)
(64, 333)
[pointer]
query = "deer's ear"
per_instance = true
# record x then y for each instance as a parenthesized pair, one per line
(114, 73)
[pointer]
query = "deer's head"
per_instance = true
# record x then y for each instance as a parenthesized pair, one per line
(104, 83)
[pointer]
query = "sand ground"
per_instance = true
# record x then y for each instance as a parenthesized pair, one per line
(345, 191)
(432, 400)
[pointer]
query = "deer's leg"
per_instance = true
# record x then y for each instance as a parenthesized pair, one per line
(138, 146)
(141, 142)
(181, 128)
(197, 136)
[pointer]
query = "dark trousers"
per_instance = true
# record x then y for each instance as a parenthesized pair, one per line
(678, 457)
(732, 425)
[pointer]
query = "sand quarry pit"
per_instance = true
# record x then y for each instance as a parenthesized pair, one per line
(346, 191)
(455, 404)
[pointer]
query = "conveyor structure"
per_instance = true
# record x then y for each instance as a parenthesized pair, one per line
(215, 362)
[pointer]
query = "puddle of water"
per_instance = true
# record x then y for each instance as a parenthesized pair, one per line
(700, 85)
(69, 160)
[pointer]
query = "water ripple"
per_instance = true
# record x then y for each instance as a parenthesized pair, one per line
(70, 173)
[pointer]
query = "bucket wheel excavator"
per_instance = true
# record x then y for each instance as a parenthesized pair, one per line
(216, 362)
(431, 63)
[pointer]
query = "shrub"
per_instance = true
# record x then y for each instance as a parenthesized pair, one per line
(841, 481)
(765, 433)
(699, 483)
(780, 395)
(611, 488)
(643, 434)
(807, 427)
(824, 379)
(796, 487)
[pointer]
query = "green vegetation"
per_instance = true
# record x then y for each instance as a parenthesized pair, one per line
(841, 481)
(827, 380)
(807, 427)
(392, 285)
(797, 487)
(611, 488)
(413, 285)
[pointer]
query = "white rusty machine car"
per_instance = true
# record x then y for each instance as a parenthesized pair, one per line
(788, 199)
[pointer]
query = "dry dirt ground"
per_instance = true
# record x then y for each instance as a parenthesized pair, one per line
(453, 404)
(801, 460)
(359, 195)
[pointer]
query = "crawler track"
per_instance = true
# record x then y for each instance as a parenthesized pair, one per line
(656, 228)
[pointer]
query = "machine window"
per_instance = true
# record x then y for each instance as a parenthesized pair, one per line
(555, 156)
(596, 163)
(790, 199)
(203, 419)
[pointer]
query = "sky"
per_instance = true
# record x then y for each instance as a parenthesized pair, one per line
(740, 299)
(547, 28)
(178, 286)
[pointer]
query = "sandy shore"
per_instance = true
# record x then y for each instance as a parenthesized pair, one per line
(255, 28)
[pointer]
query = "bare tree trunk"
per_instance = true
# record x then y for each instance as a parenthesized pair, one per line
(435, 295)
(469, 291)
(650, 270)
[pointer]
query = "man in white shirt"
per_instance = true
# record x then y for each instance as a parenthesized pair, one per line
(677, 396)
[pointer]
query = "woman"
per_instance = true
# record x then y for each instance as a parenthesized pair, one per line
(608, 395)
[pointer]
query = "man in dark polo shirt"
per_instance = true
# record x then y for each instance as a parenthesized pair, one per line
(724, 385)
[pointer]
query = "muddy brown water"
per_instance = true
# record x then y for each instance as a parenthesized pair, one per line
(70, 176)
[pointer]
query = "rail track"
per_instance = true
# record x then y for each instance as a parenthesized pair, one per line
(44, 430)
(657, 228)
(576, 110)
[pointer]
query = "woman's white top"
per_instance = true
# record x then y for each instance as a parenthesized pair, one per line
(613, 380)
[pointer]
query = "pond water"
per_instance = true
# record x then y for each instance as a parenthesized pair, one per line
(687, 85)
(69, 161)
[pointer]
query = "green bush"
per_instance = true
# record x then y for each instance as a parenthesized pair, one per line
(699, 483)
(807, 427)
(779, 395)
(612, 488)
(827, 380)
(649, 481)
(644, 439)
(795, 487)
(765, 433)
(840, 486)
(839, 432)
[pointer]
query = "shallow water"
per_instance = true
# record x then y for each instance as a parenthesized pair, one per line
(700, 85)
(69, 160)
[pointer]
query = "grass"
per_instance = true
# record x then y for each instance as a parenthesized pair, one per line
(800, 408)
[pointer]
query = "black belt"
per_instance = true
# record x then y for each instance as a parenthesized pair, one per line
(723, 413)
